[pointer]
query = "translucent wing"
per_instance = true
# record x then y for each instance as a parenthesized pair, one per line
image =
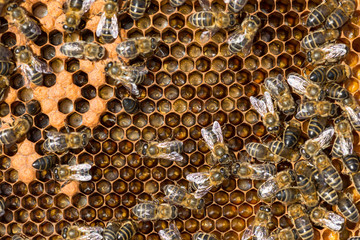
(80, 167)
(268, 189)
(259, 105)
(333, 221)
(205, 36)
(40, 65)
(218, 132)
(269, 102)
(131, 87)
(260, 174)
(86, 5)
(260, 233)
(93, 233)
(198, 177)
(336, 50)
(354, 116)
(325, 137)
(201, 192)
(276, 86)
(28, 72)
(172, 234)
(76, 48)
(297, 82)
(100, 25)
(173, 156)
(81, 177)
(205, 4)
(53, 134)
(346, 145)
(247, 234)
(91, 236)
(114, 27)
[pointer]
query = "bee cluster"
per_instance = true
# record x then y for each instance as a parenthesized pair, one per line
(142, 154)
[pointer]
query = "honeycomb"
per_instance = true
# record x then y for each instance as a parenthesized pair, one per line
(191, 85)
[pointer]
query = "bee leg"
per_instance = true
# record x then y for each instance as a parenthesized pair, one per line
(65, 183)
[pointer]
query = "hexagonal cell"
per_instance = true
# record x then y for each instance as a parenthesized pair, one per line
(252, 63)
(227, 77)
(163, 79)
(17, 108)
(186, 64)
(299, 32)
(177, 21)
(276, 47)
(178, 50)
(48, 52)
(75, 120)
(210, 50)
(218, 64)
(235, 63)
(106, 92)
(267, 6)
(143, 23)
(267, 34)
(186, 35)
(55, 37)
(299, 59)
(82, 105)
(350, 31)
(268, 62)
(164, 106)
(8, 39)
(275, 19)
(25, 94)
(4, 109)
(39, 10)
(72, 65)
(283, 33)
(260, 49)
(41, 39)
(4, 25)
(56, 65)
(169, 36)
(65, 106)
(170, 64)
(212, 105)
(17, 81)
(80, 78)
(49, 80)
(291, 19)
(160, 21)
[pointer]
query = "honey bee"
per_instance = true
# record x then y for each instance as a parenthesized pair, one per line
(62, 142)
(281, 180)
(266, 109)
(313, 146)
(19, 237)
(343, 130)
(292, 133)
(126, 231)
(2, 207)
(246, 170)
(45, 163)
(301, 221)
(24, 23)
(284, 234)
(324, 218)
(170, 150)
(318, 75)
(328, 171)
(338, 73)
(260, 229)
(74, 12)
(139, 46)
(348, 208)
(108, 27)
(77, 232)
(136, 8)
(153, 210)
(319, 14)
(128, 76)
(171, 233)
(327, 193)
(212, 20)
(236, 5)
(213, 137)
(4, 86)
(203, 182)
(179, 195)
(6, 64)
(88, 50)
(289, 195)
(335, 91)
(341, 14)
(17, 130)
(349, 158)
(308, 191)
(352, 110)
(241, 40)
(318, 38)
(279, 90)
(261, 152)
(177, 3)
(328, 54)
(306, 88)
(316, 126)
(305, 168)
(311, 109)
(279, 148)
(72, 172)
(354, 238)
(111, 230)
(204, 236)
(32, 67)
(3, 3)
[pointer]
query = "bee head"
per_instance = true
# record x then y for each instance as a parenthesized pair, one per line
(309, 57)
(56, 174)
(108, 66)
(70, 23)
(11, 6)
(304, 153)
(65, 232)
(84, 139)
(154, 42)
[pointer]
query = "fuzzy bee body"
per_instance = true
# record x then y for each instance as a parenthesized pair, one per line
(318, 38)
(127, 230)
(301, 221)
(347, 208)
(20, 127)
(341, 14)
(320, 13)
(45, 163)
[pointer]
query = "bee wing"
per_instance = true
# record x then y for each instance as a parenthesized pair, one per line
(28, 72)
(261, 174)
(100, 25)
(53, 134)
(175, 229)
(40, 65)
(80, 167)
(354, 116)
(336, 50)
(91, 236)
(298, 83)
(218, 132)
(236, 36)
(269, 102)
(325, 137)
(77, 47)
(268, 188)
(276, 85)
(346, 145)
(173, 156)
(131, 87)
(198, 177)
(260, 233)
(114, 27)
(202, 191)
(86, 5)
(205, 4)
(163, 235)
(247, 234)
(333, 221)
(259, 105)
(91, 229)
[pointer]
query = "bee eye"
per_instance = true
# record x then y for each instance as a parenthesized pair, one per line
(65, 27)
(23, 48)
(71, 29)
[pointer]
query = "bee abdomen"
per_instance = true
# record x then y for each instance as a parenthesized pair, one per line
(351, 162)
(318, 15)
(336, 149)
(110, 231)
(130, 105)
(291, 136)
(336, 19)
(236, 5)
(304, 228)
(45, 162)
(106, 35)
(37, 79)
(138, 8)
(203, 236)
(31, 30)
(127, 49)
(7, 136)
(176, 3)
(332, 177)
(202, 19)
(348, 209)
(328, 194)
(316, 126)
(256, 150)
(335, 91)
(288, 195)
(126, 232)
(5, 67)
(2, 206)
(338, 73)
(313, 40)
(318, 75)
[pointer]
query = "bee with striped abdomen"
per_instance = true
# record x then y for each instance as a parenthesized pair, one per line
(240, 42)
(17, 130)
(6, 64)
(27, 26)
(46, 162)
(127, 230)
(261, 152)
(327, 193)
(328, 54)
(343, 130)
(311, 109)
(320, 13)
(153, 210)
(203, 182)
(318, 38)
(4, 86)
(338, 73)
(335, 91)
(74, 13)
(246, 170)
(2, 207)
(236, 5)
(301, 221)
(284, 234)
(316, 126)
(139, 46)
(328, 171)
(265, 107)
(108, 28)
(212, 20)
(260, 229)
(111, 230)
(305, 168)
(170, 150)
(179, 195)
(347, 208)
(281, 180)
(214, 139)
(289, 195)
(83, 50)
(61, 142)
(328, 219)
(136, 8)
(32, 67)
(128, 76)
(308, 191)
(313, 146)
(279, 148)
(352, 109)
(204, 236)
(170, 233)
(341, 14)
(306, 88)
(279, 90)
(318, 75)
(19, 237)
(292, 133)
(76, 232)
